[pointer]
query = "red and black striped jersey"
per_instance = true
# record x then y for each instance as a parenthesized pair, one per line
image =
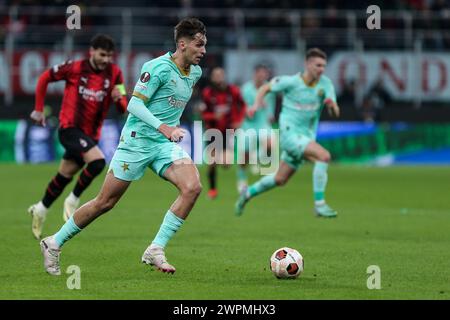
(87, 94)
(225, 109)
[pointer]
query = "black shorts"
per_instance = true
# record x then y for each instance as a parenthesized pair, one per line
(76, 143)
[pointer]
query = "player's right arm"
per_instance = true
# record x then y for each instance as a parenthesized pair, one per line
(330, 99)
(151, 79)
(259, 99)
(56, 73)
(277, 84)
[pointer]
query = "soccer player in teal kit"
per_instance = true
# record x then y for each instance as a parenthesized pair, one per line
(304, 96)
(261, 120)
(149, 139)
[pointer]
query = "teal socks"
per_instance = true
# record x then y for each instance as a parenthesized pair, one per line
(168, 228)
(264, 184)
(320, 178)
(67, 232)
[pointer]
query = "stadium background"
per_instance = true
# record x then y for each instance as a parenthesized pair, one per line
(393, 83)
(395, 217)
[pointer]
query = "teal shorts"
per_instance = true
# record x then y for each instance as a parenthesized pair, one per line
(293, 146)
(134, 155)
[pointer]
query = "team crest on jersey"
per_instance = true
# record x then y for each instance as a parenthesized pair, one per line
(321, 93)
(145, 77)
(106, 84)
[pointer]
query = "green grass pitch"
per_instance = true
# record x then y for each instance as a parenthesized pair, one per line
(397, 218)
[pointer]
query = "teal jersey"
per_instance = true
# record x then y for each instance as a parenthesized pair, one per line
(165, 90)
(261, 119)
(302, 104)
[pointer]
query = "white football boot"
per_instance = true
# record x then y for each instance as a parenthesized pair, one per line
(70, 206)
(51, 253)
(154, 256)
(38, 213)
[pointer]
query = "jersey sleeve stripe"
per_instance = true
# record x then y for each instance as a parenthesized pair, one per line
(140, 96)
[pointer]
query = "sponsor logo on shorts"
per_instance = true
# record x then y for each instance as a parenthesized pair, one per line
(83, 143)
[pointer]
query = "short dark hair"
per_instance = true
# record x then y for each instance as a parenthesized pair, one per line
(188, 27)
(103, 41)
(215, 68)
(261, 66)
(315, 52)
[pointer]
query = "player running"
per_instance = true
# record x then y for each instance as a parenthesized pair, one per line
(304, 96)
(261, 120)
(224, 109)
(149, 139)
(90, 86)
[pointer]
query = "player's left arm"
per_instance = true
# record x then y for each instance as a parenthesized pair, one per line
(330, 101)
(119, 94)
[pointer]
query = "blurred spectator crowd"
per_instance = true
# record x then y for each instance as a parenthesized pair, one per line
(322, 23)
(434, 5)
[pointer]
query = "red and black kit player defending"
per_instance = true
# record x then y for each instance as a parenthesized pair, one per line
(224, 108)
(91, 85)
